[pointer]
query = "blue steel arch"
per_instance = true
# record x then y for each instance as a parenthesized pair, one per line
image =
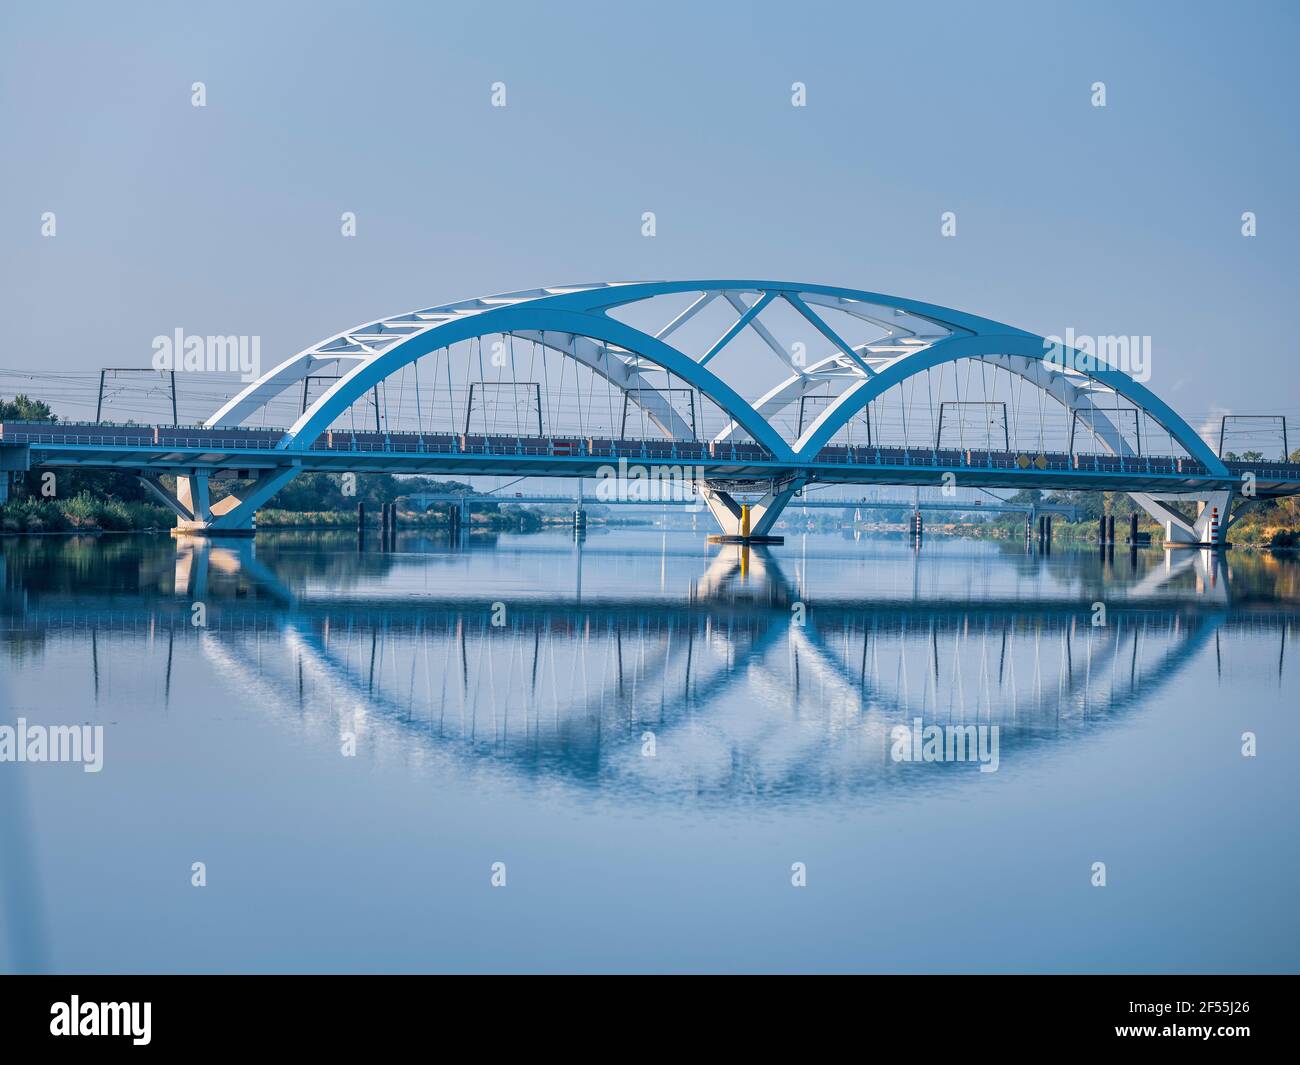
(347, 391)
(938, 335)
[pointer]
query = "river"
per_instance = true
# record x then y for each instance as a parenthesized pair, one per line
(643, 752)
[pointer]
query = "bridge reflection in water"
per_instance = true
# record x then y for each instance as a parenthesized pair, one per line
(745, 684)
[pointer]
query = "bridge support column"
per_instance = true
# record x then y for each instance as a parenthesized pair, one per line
(579, 515)
(1209, 528)
(725, 510)
(181, 506)
(193, 492)
(15, 460)
(197, 515)
(750, 523)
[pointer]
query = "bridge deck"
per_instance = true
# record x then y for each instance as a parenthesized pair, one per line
(162, 449)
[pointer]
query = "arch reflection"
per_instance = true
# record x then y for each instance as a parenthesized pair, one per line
(745, 684)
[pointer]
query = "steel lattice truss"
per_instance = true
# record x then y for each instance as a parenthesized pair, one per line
(908, 338)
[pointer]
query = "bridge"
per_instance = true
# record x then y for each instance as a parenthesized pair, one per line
(627, 379)
(466, 501)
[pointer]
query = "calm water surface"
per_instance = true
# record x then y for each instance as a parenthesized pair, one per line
(503, 698)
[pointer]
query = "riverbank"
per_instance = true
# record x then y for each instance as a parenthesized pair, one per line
(1245, 533)
(1250, 536)
(87, 514)
(82, 513)
(513, 520)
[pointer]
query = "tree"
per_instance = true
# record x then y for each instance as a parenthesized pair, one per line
(102, 484)
(315, 492)
(1092, 505)
(23, 408)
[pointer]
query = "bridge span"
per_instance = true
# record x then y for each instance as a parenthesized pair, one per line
(618, 380)
(466, 500)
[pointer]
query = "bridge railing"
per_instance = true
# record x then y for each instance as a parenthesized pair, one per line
(646, 451)
(1271, 471)
(144, 437)
(980, 459)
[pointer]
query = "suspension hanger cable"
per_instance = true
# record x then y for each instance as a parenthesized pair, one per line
(482, 384)
(902, 407)
(514, 383)
(609, 391)
(496, 406)
(577, 390)
(401, 398)
(546, 376)
(1016, 392)
(1042, 446)
(451, 396)
(419, 412)
(433, 400)
(929, 391)
(532, 376)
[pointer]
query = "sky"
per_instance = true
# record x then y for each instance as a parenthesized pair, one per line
(225, 219)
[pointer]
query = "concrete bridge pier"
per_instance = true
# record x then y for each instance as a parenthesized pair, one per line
(579, 516)
(749, 523)
(457, 513)
(1209, 528)
(15, 459)
(233, 515)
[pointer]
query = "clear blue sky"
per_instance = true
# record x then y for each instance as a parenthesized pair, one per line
(225, 219)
